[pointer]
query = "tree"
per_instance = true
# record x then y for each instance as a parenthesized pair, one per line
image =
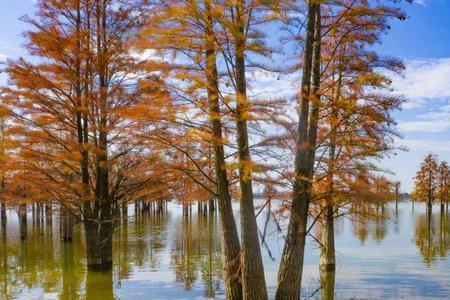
(425, 184)
(187, 31)
(76, 146)
(443, 183)
(349, 120)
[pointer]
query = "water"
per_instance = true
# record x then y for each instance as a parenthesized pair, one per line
(400, 256)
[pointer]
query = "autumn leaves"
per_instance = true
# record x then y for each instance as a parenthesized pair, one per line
(139, 99)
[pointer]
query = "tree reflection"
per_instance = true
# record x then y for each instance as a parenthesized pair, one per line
(432, 235)
(141, 242)
(369, 220)
(99, 285)
(72, 272)
(37, 262)
(196, 252)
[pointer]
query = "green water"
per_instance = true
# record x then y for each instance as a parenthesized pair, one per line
(402, 255)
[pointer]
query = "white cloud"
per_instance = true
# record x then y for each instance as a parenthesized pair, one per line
(421, 2)
(425, 126)
(273, 85)
(437, 119)
(424, 80)
(426, 145)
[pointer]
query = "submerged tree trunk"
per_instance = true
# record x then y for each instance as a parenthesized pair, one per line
(253, 281)
(95, 247)
(229, 235)
(211, 204)
(98, 211)
(48, 215)
(66, 226)
(160, 206)
(124, 214)
(3, 215)
(291, 266)
(23, 221)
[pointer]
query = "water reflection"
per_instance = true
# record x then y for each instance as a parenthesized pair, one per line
(432, 235)
(171, 255)
(371, 224)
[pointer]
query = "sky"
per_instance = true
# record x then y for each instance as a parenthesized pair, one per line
(422, 41)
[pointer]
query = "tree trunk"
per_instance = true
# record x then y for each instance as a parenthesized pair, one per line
(66, 226)
(327, 253)
(48, 215)
(101, 225)
(327, 281)
(205, 209)
(291, 266)
(94, 246)
(212, 205)
(160, 206)
(3, 215)
(253, 281)
(199, 208)
(23, 221)
(229, 235)
(125, 214)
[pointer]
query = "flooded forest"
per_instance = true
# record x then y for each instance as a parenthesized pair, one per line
(195, 149)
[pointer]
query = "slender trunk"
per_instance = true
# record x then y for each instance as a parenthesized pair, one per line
(211, 204)
(291, 266)
(199, 208)
(48, 214)
(125, 213)
(3, 215)
(205, 209)
(2, 181)
(229, 235)
(327, 265)
(160, 206)
(327, 281)
(327, 253)
(38, 215)
(23, 221)
(66, 226)
(253, 281)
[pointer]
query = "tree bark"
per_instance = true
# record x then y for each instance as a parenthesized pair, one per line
(327, 281)
(66, 226)
(327, 253)
(23, 221)
(211, 204)
(253, 280)
(291, 266)
(229, 235)
(327, 265)
(3, 215)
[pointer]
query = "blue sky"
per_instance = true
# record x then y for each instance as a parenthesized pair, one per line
(423, 41)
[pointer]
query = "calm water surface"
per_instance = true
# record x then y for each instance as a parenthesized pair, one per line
(170, 256)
